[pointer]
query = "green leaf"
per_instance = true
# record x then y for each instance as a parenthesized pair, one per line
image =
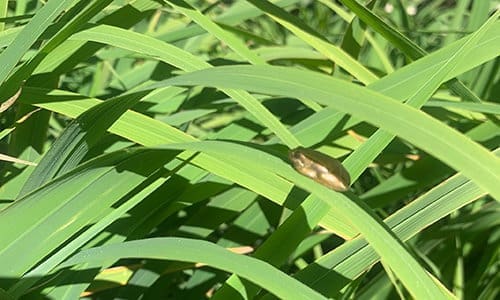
(459, 152)
(189, 250)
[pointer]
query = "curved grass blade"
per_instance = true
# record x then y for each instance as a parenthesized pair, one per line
(456, 150)
(189, 250)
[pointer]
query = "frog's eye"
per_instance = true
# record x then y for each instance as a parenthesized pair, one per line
(298, 159)
(322, 168)
(296, 155)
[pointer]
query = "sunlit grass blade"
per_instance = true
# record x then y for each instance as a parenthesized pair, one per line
(410, 124)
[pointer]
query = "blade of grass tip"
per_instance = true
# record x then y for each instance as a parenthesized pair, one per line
(9, 102)
(4, 157)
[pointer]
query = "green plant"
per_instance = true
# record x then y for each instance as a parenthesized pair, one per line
(160, 132)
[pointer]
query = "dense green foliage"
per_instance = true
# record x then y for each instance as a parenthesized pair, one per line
(144, 144)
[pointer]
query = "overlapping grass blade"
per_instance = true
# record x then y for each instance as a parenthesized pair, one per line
(410, 124)
(188, 250)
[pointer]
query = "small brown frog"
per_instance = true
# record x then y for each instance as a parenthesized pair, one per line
(320, 167)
